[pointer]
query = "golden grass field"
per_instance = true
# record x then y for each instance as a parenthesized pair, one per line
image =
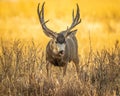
(22, 48)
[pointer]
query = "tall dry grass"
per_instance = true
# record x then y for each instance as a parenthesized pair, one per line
(23, 73)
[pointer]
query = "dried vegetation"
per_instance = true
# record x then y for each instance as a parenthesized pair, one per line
(23, 73)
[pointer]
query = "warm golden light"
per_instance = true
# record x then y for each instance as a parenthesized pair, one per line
(25, 65)
(18, 19)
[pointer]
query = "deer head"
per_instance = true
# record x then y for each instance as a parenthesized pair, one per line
(59, 39)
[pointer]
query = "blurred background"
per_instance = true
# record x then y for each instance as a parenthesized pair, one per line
(100, 21)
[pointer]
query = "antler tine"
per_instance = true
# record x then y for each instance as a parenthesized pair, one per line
(76, 19)
(46, 30)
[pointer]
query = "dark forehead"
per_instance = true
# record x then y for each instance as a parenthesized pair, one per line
(60, 38)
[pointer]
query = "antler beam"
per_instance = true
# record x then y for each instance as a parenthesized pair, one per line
(76, 19)
(46, 30)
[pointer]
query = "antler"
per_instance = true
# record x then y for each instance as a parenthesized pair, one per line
(46, 30)
(76, 19)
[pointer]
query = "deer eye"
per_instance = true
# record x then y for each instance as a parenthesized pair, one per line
(56, 42)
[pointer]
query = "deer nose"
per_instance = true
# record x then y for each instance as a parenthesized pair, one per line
(61, 52)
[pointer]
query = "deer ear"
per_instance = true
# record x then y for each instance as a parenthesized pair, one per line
(71, 33)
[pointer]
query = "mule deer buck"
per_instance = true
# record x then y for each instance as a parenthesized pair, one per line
(63, 47)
